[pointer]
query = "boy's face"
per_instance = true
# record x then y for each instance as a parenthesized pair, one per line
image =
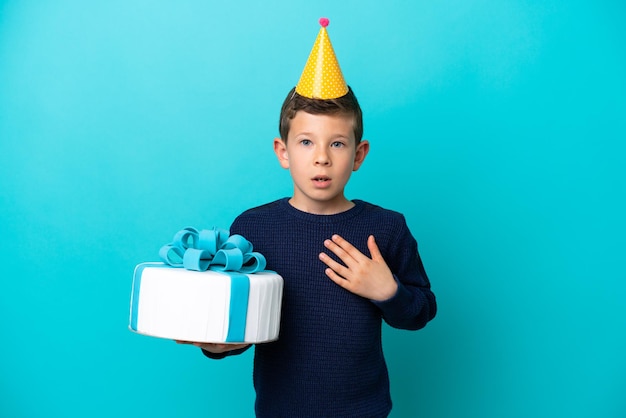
(320, 154)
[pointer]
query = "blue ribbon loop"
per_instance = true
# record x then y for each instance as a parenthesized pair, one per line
(213, 249)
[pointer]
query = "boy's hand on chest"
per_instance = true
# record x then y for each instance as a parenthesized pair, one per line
(370, 278)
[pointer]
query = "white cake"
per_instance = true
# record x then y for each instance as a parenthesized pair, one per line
(205, 306)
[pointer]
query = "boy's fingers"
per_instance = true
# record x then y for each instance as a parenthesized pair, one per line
(213, 347)
(373, 247)
(332, 274)
(338, 251)
(346, 246)
(332, 264)
(343, 249)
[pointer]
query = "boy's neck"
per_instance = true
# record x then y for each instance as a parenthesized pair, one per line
(322, 208)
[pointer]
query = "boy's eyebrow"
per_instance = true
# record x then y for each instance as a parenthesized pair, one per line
(335, 136)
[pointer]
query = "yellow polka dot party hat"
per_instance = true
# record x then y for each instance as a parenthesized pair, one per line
(322, 77)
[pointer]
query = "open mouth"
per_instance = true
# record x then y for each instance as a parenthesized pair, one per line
(321, 179)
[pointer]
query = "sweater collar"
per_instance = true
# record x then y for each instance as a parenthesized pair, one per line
(358, 207)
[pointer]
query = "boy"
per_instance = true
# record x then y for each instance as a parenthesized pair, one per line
(347, 265)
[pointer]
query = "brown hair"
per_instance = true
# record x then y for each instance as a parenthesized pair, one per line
(344, 105)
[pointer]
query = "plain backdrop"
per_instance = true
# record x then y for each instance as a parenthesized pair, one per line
(497, 127)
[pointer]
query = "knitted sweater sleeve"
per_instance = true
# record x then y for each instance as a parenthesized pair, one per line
(414, 303)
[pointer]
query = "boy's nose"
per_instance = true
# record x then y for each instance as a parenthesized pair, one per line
(321, 158)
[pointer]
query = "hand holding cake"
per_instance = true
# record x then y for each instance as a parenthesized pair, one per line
(215, 348)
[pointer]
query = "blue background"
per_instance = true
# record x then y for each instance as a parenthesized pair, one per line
(496, 127)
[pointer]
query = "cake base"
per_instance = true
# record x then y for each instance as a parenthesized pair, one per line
(207, 306)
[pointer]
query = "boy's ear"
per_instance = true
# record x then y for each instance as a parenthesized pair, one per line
(361, 152)
(280, 149)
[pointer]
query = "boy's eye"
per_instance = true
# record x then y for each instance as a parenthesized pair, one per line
(305, 142)
(337, 144)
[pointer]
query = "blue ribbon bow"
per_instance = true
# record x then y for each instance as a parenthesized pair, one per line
(213, 249)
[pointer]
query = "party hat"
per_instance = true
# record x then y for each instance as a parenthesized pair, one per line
(322, 77)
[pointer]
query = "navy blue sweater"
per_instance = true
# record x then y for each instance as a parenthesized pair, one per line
(328, 360)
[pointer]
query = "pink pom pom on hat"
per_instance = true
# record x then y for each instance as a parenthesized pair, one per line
(322, 77)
